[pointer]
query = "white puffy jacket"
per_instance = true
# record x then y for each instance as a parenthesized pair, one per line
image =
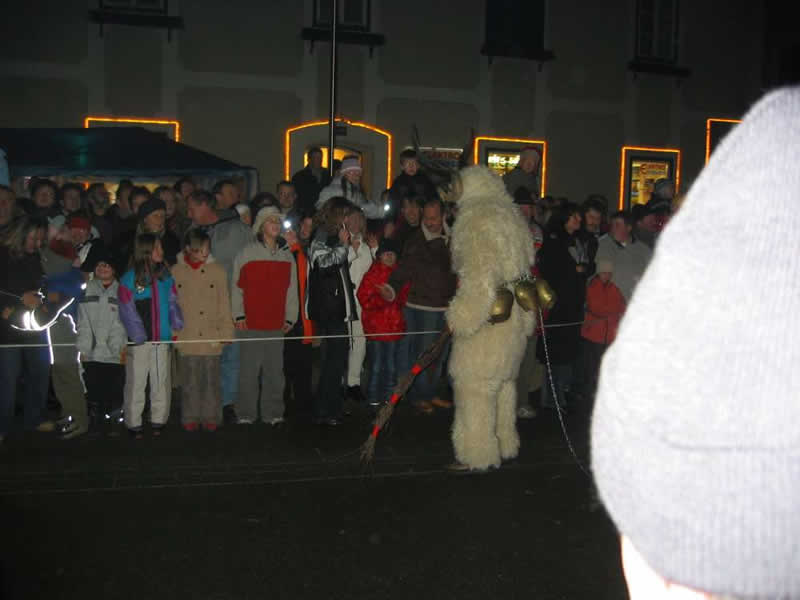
(101, 335)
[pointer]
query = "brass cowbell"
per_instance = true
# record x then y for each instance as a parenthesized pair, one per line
(545, 294)
(529, 294)
(501, 307)
(525, 293)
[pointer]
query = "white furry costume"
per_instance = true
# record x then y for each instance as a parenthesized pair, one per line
(491, 245)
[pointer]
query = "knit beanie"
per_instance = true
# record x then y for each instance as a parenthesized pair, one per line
(350, 164)
(605, 266)
(150, 205)
(696, 427)
(388, 245)
(263, 215)
(98, 253)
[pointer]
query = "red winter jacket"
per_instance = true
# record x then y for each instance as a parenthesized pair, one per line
(378, 315)
(604, 307)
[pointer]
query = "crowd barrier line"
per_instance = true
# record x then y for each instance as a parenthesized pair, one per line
(276, 338)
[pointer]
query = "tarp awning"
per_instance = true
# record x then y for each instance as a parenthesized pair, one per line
(108, 153)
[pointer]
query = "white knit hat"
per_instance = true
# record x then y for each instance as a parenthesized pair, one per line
(350, 164)
(605, 266)
(264, 214)
(696, 427)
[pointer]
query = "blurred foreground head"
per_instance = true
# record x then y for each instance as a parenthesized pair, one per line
(695, 436)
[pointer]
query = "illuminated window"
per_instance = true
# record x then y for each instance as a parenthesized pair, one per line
(338, 154)
(657, 31)
(641, 167)
(288, 144)
(450, 157)
(503, 154)
(501, 161)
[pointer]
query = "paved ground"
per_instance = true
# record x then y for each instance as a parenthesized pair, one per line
(257, 512)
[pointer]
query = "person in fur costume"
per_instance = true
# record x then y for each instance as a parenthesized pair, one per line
(491, 247)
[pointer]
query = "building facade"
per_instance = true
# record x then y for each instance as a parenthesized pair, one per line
(237, 75)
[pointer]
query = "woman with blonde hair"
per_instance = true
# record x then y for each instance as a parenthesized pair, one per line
(21, 276)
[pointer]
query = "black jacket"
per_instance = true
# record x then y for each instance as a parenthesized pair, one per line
(557, 266)
(407, 185)
(308, 188)
(331, 295)
(17, 276)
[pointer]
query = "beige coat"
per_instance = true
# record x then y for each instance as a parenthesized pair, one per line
(204, 299)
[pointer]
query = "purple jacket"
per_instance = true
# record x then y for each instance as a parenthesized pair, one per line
(149, 314)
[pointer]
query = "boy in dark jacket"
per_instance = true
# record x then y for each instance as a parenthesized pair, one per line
(411, 182)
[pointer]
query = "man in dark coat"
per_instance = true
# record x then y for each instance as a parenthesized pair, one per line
(426, 264)
(522, 181)
(309, 181)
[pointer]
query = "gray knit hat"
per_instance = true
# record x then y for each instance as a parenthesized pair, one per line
(696, 428)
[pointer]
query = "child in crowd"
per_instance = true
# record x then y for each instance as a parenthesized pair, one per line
(149, 311)
(412, 181)
(102, 339)
(605, 305)
(359, 257)
(382, 316)
(205, 303)
(265, 305)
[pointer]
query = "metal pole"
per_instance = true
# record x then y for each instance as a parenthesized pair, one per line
(331, 129)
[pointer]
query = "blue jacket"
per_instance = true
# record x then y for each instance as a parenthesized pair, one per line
(149, 314)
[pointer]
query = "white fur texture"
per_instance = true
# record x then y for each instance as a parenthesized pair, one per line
(491, 245)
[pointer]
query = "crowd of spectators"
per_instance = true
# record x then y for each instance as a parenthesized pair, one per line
(114, 304)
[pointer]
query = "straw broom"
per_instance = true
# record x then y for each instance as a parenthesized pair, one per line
(403, 384)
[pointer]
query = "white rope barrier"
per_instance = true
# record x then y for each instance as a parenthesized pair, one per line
(233, 340)
(288, 337)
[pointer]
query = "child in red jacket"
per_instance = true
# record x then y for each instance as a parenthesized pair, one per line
(380, 316)
(604, 307)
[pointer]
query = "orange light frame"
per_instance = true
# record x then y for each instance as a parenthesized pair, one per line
(486, 138)
(175, 124)
(708, 133)
(623, 165)
(287, 143)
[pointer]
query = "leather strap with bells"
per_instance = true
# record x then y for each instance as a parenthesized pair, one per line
(530, 294)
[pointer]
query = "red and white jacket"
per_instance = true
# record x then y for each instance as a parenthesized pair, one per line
(264, 290)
